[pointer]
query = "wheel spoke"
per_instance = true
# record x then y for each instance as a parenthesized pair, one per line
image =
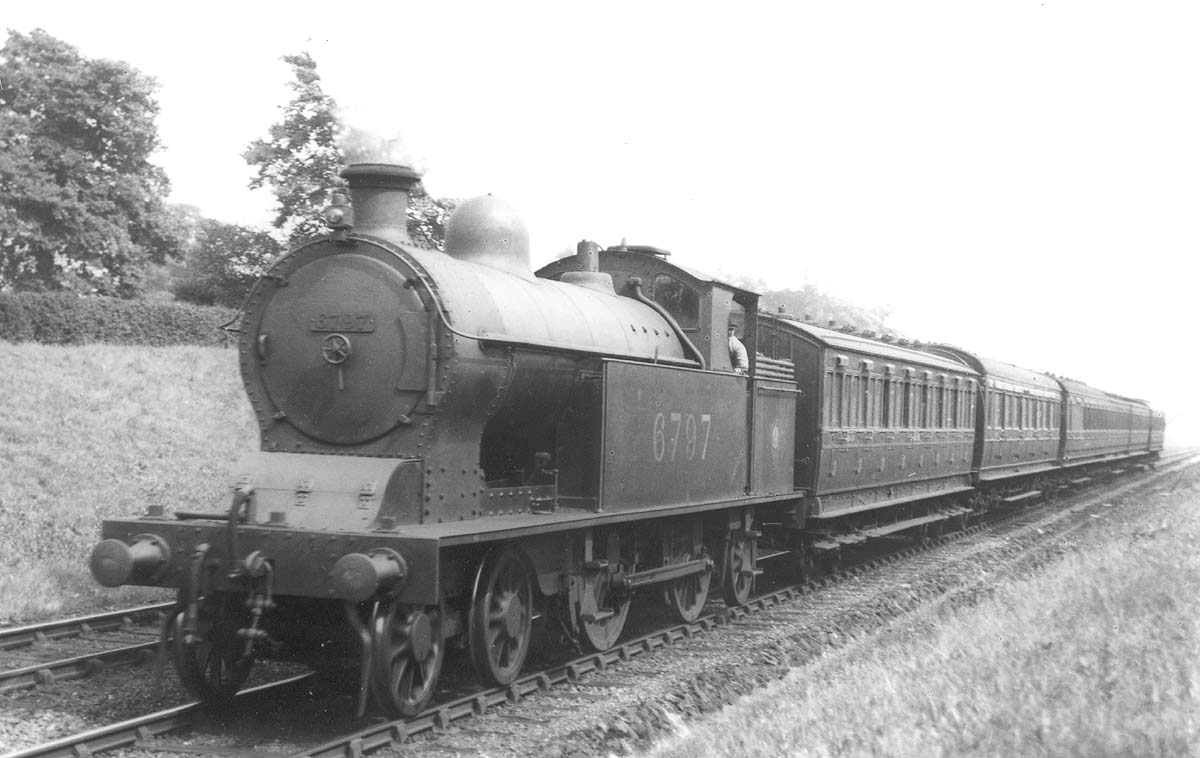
(403, 674)
(398, 654)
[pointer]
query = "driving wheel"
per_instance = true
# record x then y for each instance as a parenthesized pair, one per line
(738, 569)
(602, 609)
(687, 594)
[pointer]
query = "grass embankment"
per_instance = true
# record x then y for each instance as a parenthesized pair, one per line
(93, 432)
(1096, 655)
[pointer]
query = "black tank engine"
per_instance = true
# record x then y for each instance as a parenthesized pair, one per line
(453, 447)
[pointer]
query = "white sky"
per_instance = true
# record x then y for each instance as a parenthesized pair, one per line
(1021, 178)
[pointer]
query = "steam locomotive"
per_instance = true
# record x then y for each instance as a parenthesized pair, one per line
(453, 447)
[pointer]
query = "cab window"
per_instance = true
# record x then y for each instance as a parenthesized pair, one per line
(679, 300)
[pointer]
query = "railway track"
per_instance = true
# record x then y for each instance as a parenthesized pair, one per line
(577, 672)
(396, 734)
(23, 636)
(139, 731)
(28, 646)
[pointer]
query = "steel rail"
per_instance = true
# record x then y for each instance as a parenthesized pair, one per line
(138, 731)
(22, 636)
(72, 668)
(394, 733)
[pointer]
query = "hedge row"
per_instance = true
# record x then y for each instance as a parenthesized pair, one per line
(67, 319)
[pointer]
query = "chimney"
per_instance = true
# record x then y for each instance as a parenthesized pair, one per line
(379, 197)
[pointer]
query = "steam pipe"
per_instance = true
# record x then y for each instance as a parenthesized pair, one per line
(636, 284)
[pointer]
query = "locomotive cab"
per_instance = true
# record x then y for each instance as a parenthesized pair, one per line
(701, 306)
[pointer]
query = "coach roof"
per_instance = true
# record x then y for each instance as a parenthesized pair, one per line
(1002, 374)
(835, 340)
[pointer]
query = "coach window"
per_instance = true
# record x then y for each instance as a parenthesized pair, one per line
(876, 402)
(886, 411)
(837, 400)
(679, 300)
(851, 400)
(828, 399)
(914, 397)
(864, 403)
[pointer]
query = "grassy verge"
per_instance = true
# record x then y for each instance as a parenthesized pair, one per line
(1096, 655)
(97, 431)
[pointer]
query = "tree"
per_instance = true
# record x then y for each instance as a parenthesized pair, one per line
(812, 304)
(223, 263)
(81, 206)
(300, 160)
(302, 156)
(427, 217)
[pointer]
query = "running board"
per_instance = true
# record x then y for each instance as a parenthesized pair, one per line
(834, 541)
(900, 526)
(1018, 498)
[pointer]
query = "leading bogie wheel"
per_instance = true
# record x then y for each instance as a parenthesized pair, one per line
(213, 662)
(501, 617)
(408, 651)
